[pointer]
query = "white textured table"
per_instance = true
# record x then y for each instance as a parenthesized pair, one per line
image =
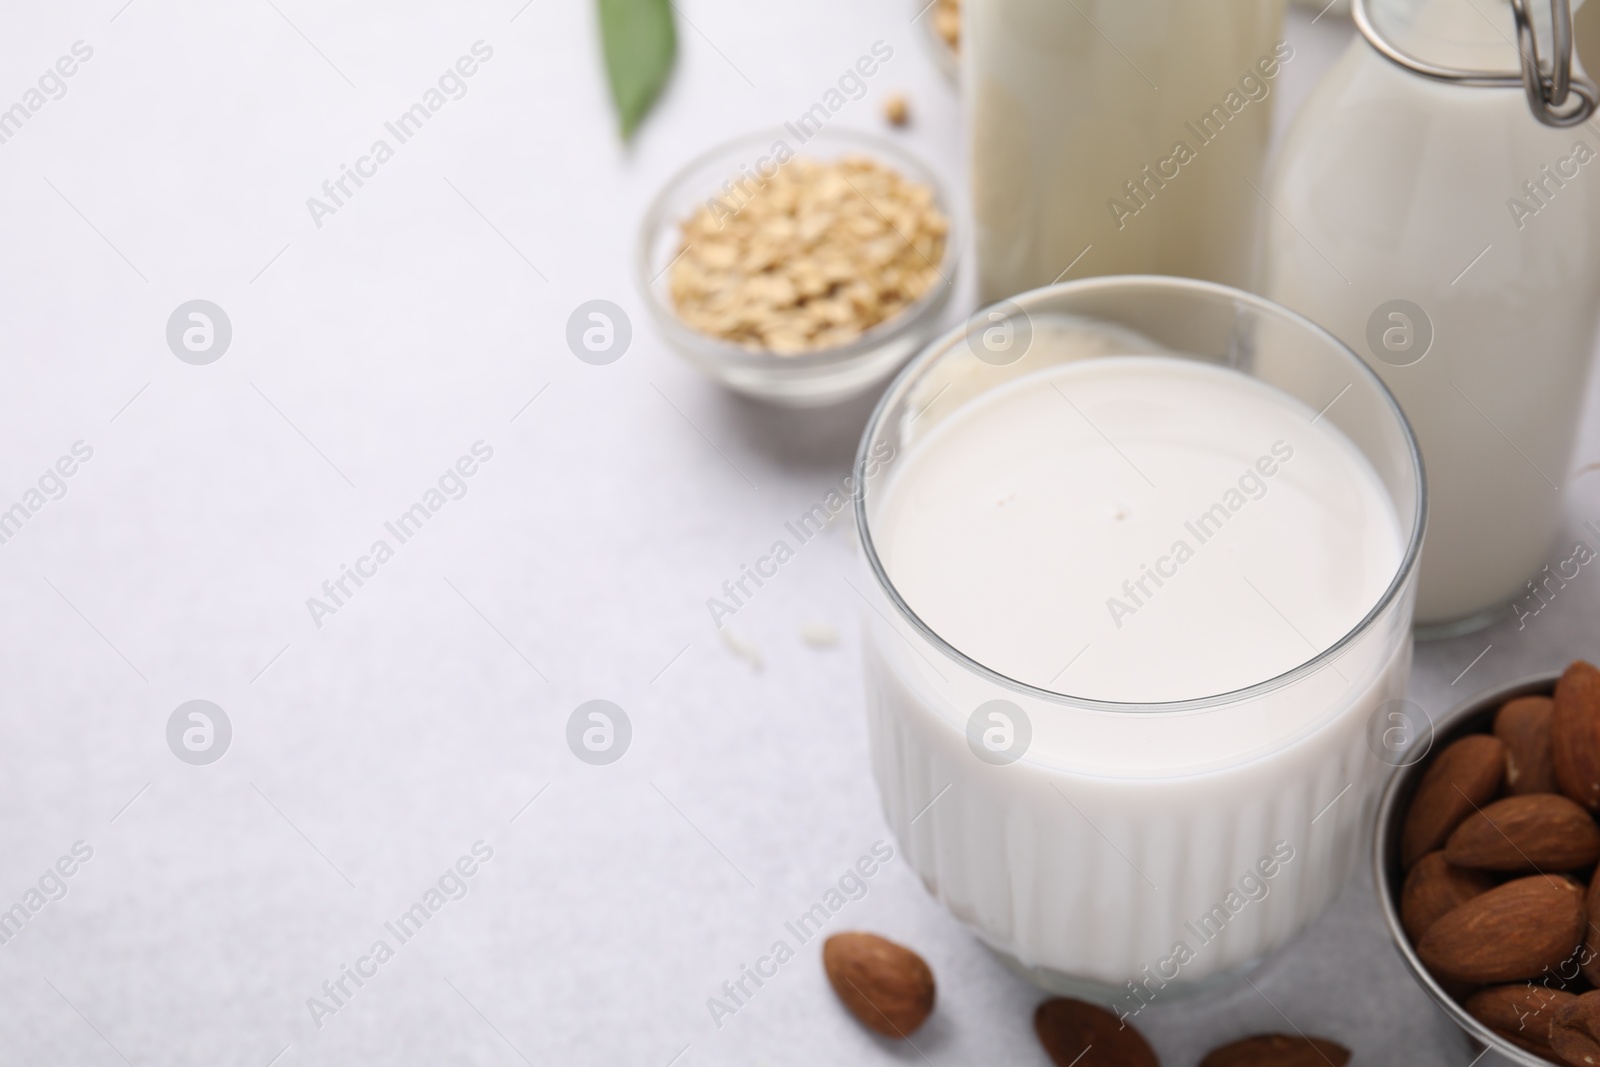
(369, 753)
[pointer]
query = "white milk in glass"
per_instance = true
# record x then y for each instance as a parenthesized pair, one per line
(1168, 518)
(1454, 243)
(1117, 136)
(1137, 531)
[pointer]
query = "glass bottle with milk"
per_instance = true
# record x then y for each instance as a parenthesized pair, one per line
(1452, 239)
(1118, 136)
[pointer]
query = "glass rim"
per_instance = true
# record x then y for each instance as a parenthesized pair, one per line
(942, 344)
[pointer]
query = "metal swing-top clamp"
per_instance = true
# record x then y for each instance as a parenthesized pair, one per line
(1550, 91)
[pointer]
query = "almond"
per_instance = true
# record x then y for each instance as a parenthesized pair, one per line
(1589, 957)
(1432, 888)
(1538, 832)
(1465, 775)
(1575, 734)
(1575, 1037)
(1073, 1032)
(1522, 1014)
(1278, 1050)
(886, 986)
(1523, 726)
(1513, 931)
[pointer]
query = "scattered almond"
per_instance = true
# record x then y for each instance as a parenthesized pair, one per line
(947, 21)
(1073, 1032)
(1432, 888)
(1538, 832)
(1523, 726)
(1575, 734)
(1465, 775)
(1575, 1037)
(886, 986)
(896, 110)
(1512, 932)
(1522, 1014)
(1279, 1050)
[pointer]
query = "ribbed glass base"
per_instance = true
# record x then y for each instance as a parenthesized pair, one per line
(1119, 998)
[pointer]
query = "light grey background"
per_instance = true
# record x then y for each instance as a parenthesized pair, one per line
(368, 754)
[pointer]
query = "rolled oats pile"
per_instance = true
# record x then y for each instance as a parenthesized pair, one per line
(812, 257)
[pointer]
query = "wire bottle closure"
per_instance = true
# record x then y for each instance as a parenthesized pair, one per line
(1556, 95)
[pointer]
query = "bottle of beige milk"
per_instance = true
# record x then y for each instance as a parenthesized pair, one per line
(1118, 136)
(1452, 239)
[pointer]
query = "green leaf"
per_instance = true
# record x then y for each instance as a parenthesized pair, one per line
(640, 43)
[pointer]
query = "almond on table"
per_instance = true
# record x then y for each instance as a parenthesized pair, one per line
(1279, 1050)
(1075, 1032)
(886, 986)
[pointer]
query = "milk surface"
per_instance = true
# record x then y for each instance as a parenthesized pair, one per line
(1138, 529)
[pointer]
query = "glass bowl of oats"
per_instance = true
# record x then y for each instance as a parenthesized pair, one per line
(801, 265)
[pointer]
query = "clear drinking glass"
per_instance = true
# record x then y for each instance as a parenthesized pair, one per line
(1078, 861)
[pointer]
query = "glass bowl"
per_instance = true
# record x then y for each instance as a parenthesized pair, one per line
(823, 376)
(1474, 716)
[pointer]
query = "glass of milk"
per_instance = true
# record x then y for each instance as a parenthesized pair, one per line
(1141, 558)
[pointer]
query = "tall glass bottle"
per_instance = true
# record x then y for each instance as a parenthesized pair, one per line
(1118, 136)
(1452, 239)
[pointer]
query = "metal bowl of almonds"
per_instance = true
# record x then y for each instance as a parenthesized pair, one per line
(800, 265)
(1484, 857)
